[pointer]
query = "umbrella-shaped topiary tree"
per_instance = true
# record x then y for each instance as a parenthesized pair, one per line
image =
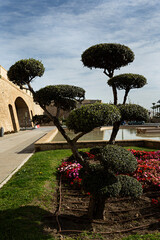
(127, 82)
(106, 179)
(63, 97)
(109, 57)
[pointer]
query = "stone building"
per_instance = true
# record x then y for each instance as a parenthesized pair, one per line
(64, 114)
(16, 105)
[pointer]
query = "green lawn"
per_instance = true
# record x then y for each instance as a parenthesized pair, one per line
(28, 197)
(144, 237)
(24, 200)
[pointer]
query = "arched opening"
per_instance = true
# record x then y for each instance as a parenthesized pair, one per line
(12, 118)
(22, 113)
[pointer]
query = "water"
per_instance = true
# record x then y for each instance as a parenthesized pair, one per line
(130, 134)
(123, 134)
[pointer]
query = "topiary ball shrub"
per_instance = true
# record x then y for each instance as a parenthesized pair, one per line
(99, 182)
(117, 159)
(88, 117)
(130, 186)
(95, 150)
(133, 112)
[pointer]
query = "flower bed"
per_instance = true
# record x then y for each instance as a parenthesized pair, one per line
(148, 170)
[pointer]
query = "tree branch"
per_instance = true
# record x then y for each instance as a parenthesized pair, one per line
(21, 87)
(115, 94)
(75, 139)
(106, 72)
(110, 73)
(125, 95)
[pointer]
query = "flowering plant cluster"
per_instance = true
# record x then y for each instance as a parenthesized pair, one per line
(148, 171)
(70, 172)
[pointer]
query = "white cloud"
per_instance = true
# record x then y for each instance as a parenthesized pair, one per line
(59, 35)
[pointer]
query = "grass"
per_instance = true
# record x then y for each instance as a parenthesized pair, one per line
(24, 199)
(143, 237)
(28, 197)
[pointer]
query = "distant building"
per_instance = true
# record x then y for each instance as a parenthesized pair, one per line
(16, 106)
(64, 114)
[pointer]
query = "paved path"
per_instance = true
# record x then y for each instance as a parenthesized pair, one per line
(15, 150)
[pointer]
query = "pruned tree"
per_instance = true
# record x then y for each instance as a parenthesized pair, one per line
(24, 71)
(63, 97)
(108, 178)
(127, 82)
(129, 112)
(109, 57)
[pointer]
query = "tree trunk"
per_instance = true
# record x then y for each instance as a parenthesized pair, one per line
(71, 143)
(115, 130)
(125, 96)
(115, 94)
(96, 207)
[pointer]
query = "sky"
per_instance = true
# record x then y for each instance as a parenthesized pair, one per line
(57, 32)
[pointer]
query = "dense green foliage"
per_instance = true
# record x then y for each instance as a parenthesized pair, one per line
(117, 159)
(130, 112)
(23, 71)
(88, 117)
(129, 186)
(40, 119)
(108, 56)
(104, 179)
(63, 96)
(127, 81)
(99, 182)
(155, 236)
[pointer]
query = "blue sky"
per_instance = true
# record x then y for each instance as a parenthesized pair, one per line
(58, 31)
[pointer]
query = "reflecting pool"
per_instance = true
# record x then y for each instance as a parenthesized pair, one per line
(104, 134)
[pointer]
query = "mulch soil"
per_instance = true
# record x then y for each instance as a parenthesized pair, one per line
(123, 216)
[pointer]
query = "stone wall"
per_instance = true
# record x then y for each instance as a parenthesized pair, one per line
(16, 105)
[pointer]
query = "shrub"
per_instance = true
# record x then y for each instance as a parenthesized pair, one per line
(99, 182)
(88, 117)
(130, 186)
(134, 112)
(117, 159)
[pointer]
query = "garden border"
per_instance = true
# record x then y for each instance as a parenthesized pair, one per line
(45, 143)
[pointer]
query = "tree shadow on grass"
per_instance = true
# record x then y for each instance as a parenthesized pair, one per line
(25, 223)
(35, 223)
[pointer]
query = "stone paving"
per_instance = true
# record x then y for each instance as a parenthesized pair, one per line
(16, 149)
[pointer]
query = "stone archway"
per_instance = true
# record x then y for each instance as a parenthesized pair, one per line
(23, 114)
(12, 118)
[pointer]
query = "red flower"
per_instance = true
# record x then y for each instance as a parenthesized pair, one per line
(154, 201)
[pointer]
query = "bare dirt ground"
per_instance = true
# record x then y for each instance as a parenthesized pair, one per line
(123, 217)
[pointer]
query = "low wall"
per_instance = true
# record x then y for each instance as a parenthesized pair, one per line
(45, 143)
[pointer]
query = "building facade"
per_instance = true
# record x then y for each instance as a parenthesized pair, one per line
(16, 106)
